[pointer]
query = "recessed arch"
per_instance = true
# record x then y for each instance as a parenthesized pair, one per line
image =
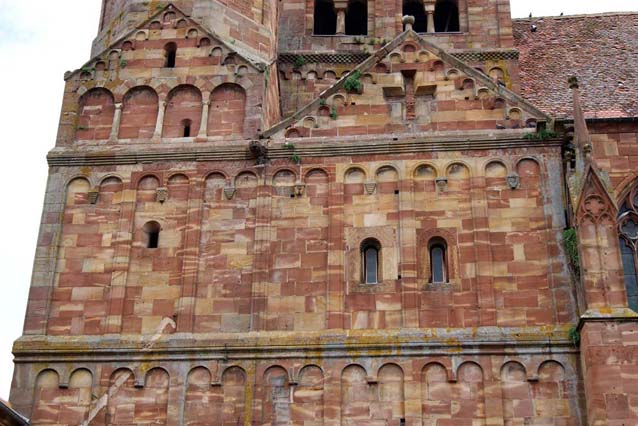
(355, 175)
(183, 112)
(97, 109)
(77, 191)
(227, 110)
(139, 113)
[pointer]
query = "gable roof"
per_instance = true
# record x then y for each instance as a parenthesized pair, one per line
(598, 49)
(384, 52)
(251, 59)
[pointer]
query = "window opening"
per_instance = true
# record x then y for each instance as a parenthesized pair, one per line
(357, 18)
(152, 231)
(325, 18)
(370, 251)
(170, 55)
(628, 230)
(186, 126)
(446, 17)
(438, 262)
(415, 8)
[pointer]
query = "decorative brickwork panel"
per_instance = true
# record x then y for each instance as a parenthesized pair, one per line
(62, 406)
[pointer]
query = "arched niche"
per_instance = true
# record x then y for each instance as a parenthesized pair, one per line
(139, 113)
(183, 112)
(77, 192)
(97, 109)
(227, 110)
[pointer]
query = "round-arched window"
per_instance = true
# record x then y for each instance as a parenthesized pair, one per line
(370, 260)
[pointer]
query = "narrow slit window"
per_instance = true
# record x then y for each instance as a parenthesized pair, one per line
(438, 262)
(170, 54)
(186, 128)
(152, 233)
(371, 253)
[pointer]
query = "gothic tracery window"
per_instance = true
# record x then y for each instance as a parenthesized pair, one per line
(628, 231)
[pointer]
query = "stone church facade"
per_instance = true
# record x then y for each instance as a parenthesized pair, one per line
(340, 212)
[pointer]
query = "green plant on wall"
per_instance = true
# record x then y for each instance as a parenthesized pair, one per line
(294, 157)
(541, 135)
(300, 61)
(570, 240)
(353, 82)
(333, 113)
(574, 336)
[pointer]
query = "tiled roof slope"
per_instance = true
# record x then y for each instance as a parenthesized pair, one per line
(601, 50)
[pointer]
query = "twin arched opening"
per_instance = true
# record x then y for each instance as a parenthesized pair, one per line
(444, 18)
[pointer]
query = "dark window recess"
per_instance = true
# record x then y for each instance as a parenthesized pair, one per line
(186, 126)
(152, 232)
(170, 54)
(357, 18)
(438, 261)
(325, 18)
(446, 17)
(415, 8)
(370, 253)
(628, 227)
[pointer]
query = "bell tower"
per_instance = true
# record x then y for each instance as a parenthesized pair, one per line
(249, 22)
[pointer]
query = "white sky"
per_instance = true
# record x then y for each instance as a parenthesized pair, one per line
(39, 41)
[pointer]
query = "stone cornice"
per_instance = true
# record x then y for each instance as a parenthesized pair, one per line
(307, 147)
(326, 344)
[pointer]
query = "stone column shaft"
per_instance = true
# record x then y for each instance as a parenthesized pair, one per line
(117, 119)
(203, 127)
(159, 125)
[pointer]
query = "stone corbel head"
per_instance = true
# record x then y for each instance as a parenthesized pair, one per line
(441, 183)
(513, 180)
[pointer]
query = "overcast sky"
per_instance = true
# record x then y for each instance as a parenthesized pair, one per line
(39, 41)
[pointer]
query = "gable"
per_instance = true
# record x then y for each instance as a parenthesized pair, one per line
(141, 51)
(408, 86)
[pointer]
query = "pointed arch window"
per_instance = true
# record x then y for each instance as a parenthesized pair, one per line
(628, 231)
(370, 261)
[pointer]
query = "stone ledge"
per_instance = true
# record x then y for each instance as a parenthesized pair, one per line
(307, 147)
(324, 344)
